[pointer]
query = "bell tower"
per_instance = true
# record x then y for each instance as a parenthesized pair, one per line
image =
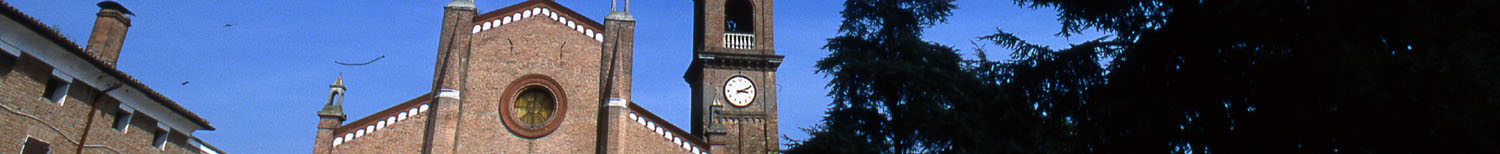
(733, 76)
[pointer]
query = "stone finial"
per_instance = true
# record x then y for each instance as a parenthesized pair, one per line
(623, 14)
(338, 82)
(625, 8)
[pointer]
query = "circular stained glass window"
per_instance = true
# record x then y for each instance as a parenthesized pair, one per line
(533, 107)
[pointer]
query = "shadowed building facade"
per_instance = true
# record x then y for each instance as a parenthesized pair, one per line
(57, 97)
(537, 77)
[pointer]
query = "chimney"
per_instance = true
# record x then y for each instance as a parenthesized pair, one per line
(109, 32)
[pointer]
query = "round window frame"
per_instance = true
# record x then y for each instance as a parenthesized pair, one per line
(508, 100)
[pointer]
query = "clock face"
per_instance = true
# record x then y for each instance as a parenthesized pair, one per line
(739, 91)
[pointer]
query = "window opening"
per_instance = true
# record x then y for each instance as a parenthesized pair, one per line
(34, 146)
(56, 90)
(739, 17)
(7, 62)
(160, 139)
(331, 96)
(122, 120)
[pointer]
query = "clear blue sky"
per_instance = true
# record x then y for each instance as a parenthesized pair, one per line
(262, 80)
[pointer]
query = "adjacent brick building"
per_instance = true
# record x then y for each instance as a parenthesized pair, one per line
(537, 77)
(57, 97)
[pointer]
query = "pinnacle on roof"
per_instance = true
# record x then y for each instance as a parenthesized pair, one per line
(339, 82)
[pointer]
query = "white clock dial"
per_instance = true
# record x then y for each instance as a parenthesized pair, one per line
(739, 91)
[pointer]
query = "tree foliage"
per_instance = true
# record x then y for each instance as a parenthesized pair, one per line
(1176, 76)
(896, 93)
(1288, 76)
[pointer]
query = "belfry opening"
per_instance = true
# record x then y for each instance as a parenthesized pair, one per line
(739, 17)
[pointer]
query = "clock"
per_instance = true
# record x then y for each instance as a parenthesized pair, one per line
(739, 91)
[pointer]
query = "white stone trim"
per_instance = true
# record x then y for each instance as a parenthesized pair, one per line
(620, 102)
(667, 135)
(62, 75)
(401, 117)
(664, 133)
(539, 11)
(163, 127)
(378, 125)
(127, 108)
(449, 93)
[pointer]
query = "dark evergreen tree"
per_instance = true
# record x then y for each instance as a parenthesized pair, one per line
(1175, 76)
(896, 93)
(1279, 76)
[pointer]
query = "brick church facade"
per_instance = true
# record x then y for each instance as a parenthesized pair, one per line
(57, 97)
(537, 77)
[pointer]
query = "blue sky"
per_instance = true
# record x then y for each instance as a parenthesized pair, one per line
(261, 80)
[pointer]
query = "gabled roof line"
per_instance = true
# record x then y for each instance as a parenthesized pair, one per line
(549, 9)
(688, 142)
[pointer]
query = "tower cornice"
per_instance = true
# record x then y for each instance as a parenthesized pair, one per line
(755, 62)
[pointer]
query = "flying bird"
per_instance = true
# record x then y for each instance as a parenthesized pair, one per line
(358, 64)
(184, 82)
(227, 25)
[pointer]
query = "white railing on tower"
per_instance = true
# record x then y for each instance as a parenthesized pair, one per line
(739, 41)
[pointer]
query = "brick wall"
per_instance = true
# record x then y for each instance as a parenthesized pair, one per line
(21, 96)
(61, 125)
(402, 136)
(502, 51)
(533, 45)
(639, 131)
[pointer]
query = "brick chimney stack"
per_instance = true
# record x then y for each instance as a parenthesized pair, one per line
(109, 32)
